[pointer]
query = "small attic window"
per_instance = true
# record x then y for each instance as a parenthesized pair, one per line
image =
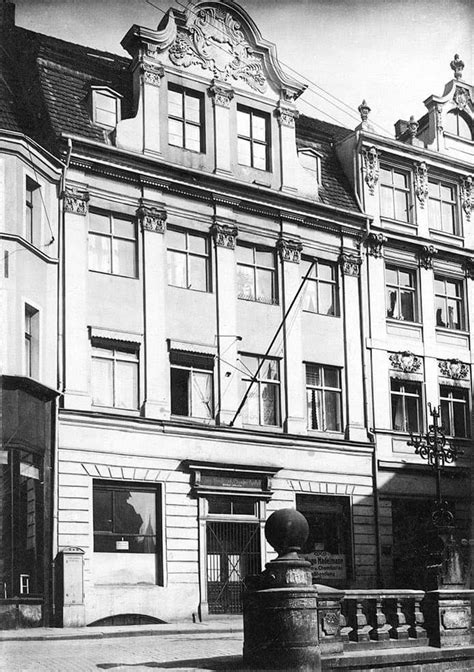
(311, 162)
(105, 107)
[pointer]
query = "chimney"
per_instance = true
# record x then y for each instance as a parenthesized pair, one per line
(400, 127)
(7, 15)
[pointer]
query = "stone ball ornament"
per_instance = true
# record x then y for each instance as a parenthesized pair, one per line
(286, 530)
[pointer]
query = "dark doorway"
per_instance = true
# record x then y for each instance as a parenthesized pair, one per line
(233, 552)
(412, 541)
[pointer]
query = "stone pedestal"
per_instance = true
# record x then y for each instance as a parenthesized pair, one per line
(280, 605)
(448, 617)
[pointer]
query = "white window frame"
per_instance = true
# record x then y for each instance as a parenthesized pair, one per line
(322, 387)
(114, 348)
(257, 385)
(316, 174)
(191, 370)
(96, 93)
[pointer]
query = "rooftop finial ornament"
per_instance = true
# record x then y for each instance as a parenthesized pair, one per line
(413, 126)
(457, 66)
(364, 110)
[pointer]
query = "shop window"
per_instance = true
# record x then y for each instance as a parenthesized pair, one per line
(114, 375)
(328, 547)
(449, 303)
(454, 410)
(253, 138)
(185, 118)
(32, 210)
(256, 274)
(406, 405)
(459, 124)
(401, 291)
(126, 518)
(188, 260)
(112, 244)
(105, 108)
(442, 210)
(395, 197)
(31, 342)
(263, 402)
(192, 383)
(323, 398)
(321, 292)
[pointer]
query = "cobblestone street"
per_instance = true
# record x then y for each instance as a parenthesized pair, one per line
(200, 651)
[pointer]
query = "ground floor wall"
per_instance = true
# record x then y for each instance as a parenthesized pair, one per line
(171, 520)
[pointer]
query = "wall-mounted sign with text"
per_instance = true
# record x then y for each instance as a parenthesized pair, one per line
(326, 566)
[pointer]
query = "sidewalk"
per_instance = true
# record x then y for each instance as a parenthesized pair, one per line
(214, 625)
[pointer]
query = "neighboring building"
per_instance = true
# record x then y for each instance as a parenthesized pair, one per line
(188, 202)
(419, 274)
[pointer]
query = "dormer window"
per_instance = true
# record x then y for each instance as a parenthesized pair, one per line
(105, 107)
(458, 124)
(311, 162)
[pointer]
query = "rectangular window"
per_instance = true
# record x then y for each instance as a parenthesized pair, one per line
(401, 294)
(323, 398)
(106, 107)
(126, 518)
(320, 293)
(442, 207)
(263, 402)
(112, 244)
(454, 410)
(449, 303)
(406, 405)
(185, 119)
(114, 376)
(395, 199)
(192, 385)
(188, 260)
(31, 342)
(256, 274)
(253, 138)
(31, 209)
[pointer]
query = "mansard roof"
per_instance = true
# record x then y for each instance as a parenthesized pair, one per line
(44, 87)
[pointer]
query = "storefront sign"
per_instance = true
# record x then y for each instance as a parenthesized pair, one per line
(327, 566)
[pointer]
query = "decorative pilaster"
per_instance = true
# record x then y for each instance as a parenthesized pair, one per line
(371, 167)
(290, 250)
(421, 182)
(221, 94)
(152, 73)
(152, 218)
(426, 255)
(466, 195)
(374, 243)
(75, 201)
(350, 264)
(224, 235)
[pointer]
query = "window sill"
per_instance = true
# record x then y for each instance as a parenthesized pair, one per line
(398, 222)
(190, 420)
(191, 289)
(116, 411)
(114, 275)
(454, 237)
(451, 331)
(326, 433)
(265, 303)
(313, 312)
(263, 428)
(186, 149)
(401, 321)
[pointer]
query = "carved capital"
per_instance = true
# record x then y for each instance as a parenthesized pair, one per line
(152, 218)
(405, 361)
(152, 73)
(350, 264)
(421, 182)
(290, 250)
(468, 267)
(466, 195)
(75, 201)
(224, 235)
(453, 368)
(286, 116)
(374, 243)
(371, 167)
(221, 95)
(426, 255)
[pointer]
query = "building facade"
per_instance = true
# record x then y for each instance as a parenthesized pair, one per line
(210, 336)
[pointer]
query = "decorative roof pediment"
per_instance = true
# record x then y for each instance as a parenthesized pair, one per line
(218, 39)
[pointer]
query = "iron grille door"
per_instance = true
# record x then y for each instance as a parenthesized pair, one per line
(233, 552)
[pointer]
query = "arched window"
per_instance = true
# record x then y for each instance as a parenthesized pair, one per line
(459, 124)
